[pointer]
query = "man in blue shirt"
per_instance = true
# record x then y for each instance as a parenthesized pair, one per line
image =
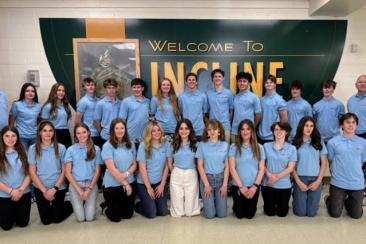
(193, 105)
(106, 109)
(346, 153)
(357, 105)
(327, 112)
(135, 111)
(274, 109)
(297, 107)
(246, 104)
(220, 102)
(3, 110)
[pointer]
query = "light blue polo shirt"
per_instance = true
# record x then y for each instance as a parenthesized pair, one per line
(26, 118)
(122, 157)
(346, 156)
(106, 110)
(184, 158)
(308, 159)
(14, 175)
(246, 164)
(164, 115)
(86, 106)
(155, 164)
(296, 110)
(3, 110)
(213, 156)
(82, 169)
(246, 105)
(277, 161)
(60, 120)
(327, 113)
(193, 106)
(357, 105)
(48, 166)
(220, 103)
(271, 105)
(136, 114)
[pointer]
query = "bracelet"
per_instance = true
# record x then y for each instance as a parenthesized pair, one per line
(256, 185)
(11, 191)
(55, 187)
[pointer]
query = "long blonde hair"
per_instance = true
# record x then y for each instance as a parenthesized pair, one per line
(148, 138)
(172, 97)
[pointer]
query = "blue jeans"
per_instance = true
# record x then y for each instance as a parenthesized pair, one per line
(306, 203)
(216, 205)
(150, 208)
(84, 210)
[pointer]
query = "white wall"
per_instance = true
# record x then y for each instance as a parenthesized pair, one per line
(21, 46)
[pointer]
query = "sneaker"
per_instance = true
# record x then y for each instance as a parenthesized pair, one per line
(103, 206)
(67, 197)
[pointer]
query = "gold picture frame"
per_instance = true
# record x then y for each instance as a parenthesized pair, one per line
(101, 58)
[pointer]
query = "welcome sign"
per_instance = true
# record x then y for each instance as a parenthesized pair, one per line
(308, 50)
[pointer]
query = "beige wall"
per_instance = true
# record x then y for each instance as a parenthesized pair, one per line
(21, 46)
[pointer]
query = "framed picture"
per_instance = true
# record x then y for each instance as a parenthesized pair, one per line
(100, 59)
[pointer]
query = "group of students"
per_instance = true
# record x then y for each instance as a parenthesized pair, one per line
(188, 134)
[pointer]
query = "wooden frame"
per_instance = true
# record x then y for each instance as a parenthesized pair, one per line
(101, 58)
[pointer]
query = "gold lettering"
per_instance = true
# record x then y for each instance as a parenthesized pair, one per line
(215, 48)
(154, 77)
(273, 67)
(205, 47)
(180, 49)
(257, 83)
(215, 65)
(158, 45)
(178, 81)
(229, 47)
(197, 66)
(194, 49)
(172, 47)
(233, 72)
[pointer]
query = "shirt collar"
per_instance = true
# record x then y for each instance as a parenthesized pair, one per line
(345, 138)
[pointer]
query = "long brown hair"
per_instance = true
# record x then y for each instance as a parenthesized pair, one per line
(40, 127)
(148, 137)
(253, 139)
(315, 135)
(52, 99)
(90, 149)
(18, 147)
(177, 140)
(214, 124)
(113, 139)
(172, 97)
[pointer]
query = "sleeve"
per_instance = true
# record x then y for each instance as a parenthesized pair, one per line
(227, 147)
(199, 152)
(107, 152)
(232, 150)
(324, 150)
(363, 155)
(309, 110)
(293, 154)
(32, 155)
(45, 112)
(168, 150)
(315, 111)
(342, 110)
(62, 152)
(141, 157)
(205, 103)
(263, 153)
(123, 112)
(98, 111)
(282, 105)
(231, 100)
(330, 148)
(257, 105)
(14, 109)
(98, 156)
(153, 105)
(68, 155)
(81, 106)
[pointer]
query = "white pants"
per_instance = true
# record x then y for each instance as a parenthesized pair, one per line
(184, 192)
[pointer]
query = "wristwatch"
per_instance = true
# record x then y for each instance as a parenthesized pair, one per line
(55, 187)
(255, 184)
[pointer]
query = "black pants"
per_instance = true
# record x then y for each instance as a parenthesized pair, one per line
(119, 205)
(63, 137)
(350, 199)
(99, 141)
(262, 141)
(55, 211)
(244, 207)
(276, 201)
(15, 212)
